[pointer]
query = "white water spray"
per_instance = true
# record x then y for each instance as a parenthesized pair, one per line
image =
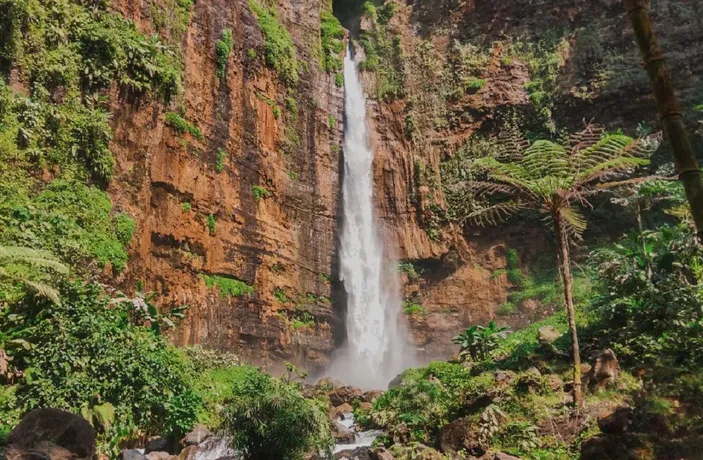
(376, 349)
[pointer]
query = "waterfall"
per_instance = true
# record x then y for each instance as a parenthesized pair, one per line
(376, 348)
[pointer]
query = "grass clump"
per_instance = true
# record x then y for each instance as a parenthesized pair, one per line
(211, 224)
(181, 125)
(280, 51)
(280, 294)
(220, 157)
(229, 287)
(412, 308)
(260, 192)
(223, 48)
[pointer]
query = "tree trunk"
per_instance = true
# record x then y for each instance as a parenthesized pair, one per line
(640, 228)
(669, 111)
(565, 271)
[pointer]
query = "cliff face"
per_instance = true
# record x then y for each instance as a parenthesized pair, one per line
(241, 225)
(453, 69)
(254, 201)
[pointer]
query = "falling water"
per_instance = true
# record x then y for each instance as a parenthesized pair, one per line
(376, 349)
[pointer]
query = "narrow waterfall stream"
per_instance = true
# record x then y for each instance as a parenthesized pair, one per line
(376, 349)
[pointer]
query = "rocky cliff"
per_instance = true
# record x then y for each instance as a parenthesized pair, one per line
(239, 224)
(453, 70)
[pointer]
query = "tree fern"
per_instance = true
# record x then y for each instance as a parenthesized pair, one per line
(555, 180)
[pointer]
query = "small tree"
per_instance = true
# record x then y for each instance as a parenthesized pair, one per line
(555, 180)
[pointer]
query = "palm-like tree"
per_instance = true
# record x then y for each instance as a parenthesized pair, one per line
(556, 180)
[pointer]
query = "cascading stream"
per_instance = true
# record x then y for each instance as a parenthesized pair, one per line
(376, 349)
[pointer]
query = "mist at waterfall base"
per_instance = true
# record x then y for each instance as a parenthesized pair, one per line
(377, 348)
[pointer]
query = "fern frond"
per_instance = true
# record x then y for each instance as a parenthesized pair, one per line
(43, 290)
(34, 257)
(610, 166)
(495, 214)
(545, 158)
(591, 134)
(574, 221)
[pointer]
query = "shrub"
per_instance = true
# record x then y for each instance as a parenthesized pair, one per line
(332, 122)
(302, 321)
(339, 79)
(186, 206)
(84, 353)
(270, 419)
(474, 84)
(413, 308)
(183, 126)
(228, 286)
(211, 224)
(280, 50)
(280, 294)
(223, 48)
(260, 192)
(292, 106)
(409, 269)
(477, 342)
(220, 157)
(251, 53)
(124, 228)
(331, 37)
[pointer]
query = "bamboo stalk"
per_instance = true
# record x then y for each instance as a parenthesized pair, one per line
(669, 109)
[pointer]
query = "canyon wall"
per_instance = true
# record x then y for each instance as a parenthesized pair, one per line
(452, 68)
(254, 203)
(267, 218)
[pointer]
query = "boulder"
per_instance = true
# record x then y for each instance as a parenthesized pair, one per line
(328, 383)
(343, 395)
(381, 453)
(504, 377)
(342, 434)
(606, 370)
(554, 382)
(188, 453)
(360, 453)
(603, 447)
(156, 445)
(372, 395)
(547, 335)
(365, 406)
(615, 421)
(460, 435)
(397, 380)
(533, 372)
(502, 456)
(132, 454)
(49, 429)
(158, 455)
(337, 413)
(199, 434)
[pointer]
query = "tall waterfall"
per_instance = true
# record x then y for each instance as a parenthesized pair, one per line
(376, 349)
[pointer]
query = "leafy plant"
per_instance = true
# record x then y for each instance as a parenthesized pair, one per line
(182, 126)
(220, 157)
(412, 308)
(270, 419)
(409, 269)
(228, 286)
(280, 294)
(280, 51)
(260, 192)
(477, 342)
(125, 226)
(186, 206)
(223, 48)
(211, 224)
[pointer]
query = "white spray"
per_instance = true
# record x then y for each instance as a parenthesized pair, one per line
(376, 349)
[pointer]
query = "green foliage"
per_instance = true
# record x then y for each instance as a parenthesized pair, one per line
(269, 418)
(260, 192)
(339, 79)
(125, 226)
(83, 353)
(409, 269)
(25, 270)
(653, 320)
(186, 206)
(512, 260)
(478, 342)
(331, 37)
(280, 50)
(223, 48)
(229, 287)
(412, 308)
(292, 106)
(211, 224)
(474, 84)
(183, 126)
(332, 122)
(251, 53)
(205, 359)
(384, 55)
(220, 157)
(280, 294)
(302, 320)
(67, 218)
